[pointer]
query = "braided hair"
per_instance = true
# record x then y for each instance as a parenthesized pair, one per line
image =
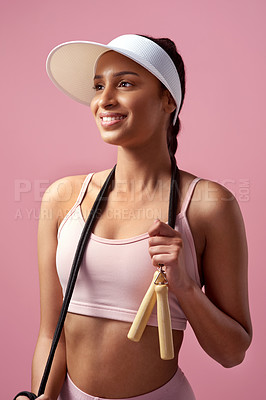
(173, 130)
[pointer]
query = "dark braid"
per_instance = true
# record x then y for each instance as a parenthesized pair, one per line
(173, 130)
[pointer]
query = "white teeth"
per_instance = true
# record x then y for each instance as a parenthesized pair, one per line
(109, 119)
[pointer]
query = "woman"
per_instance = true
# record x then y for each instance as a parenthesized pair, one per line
(138, 91)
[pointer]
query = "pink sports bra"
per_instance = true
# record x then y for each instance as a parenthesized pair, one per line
(116, 273)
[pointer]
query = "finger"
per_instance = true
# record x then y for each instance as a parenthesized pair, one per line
(160, 228)
(154, 250)
(166, 259)
(166, 240)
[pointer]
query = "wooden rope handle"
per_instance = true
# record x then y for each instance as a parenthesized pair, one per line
(144, 311)
(164, 323)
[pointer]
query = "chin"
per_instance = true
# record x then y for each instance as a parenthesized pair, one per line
(108, 138)
(115, 137)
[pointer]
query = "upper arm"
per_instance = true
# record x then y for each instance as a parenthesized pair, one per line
(225, 257)
(51, 297)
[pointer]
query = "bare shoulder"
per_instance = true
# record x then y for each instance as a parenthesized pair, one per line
(62, 194)
(214, 202)
(213, 209)
(63, 189)
(218, 216)
(209, 197)
(60, 197)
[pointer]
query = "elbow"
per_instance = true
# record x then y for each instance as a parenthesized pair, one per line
(237, 355)
(233, 361)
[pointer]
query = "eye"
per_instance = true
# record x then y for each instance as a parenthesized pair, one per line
(98, 87)
(125, 84)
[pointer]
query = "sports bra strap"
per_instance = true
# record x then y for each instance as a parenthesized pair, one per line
(83, 189)
(189, 195)
(77, 203)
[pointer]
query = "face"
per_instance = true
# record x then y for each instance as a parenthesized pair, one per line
(129, 102)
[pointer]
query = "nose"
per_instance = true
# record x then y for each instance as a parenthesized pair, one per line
(107, 97)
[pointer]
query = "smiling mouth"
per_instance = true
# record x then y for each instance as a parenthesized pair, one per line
(111, 120)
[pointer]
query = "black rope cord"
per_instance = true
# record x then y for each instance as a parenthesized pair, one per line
(173, 200)
(73, 277)
(174, 194)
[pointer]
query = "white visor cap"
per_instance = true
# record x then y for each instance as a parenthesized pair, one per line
(70, 65)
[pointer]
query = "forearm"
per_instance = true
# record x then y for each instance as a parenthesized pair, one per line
(58, 370)
(223, 338)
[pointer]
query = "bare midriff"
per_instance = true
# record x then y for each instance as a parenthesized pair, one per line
(103, 362)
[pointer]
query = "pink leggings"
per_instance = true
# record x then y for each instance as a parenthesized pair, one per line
(177, 388)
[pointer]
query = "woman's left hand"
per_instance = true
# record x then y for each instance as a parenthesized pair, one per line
(166, 247)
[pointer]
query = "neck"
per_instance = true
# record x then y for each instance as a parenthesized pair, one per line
(142, 170)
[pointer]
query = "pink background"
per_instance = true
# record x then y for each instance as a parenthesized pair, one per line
(45, 135)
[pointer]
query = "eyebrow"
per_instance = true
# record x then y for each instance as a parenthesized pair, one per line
(118, 74)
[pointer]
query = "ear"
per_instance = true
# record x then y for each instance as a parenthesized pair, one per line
(168, 102)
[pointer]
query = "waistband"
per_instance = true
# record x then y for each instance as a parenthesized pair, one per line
(177, 388)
